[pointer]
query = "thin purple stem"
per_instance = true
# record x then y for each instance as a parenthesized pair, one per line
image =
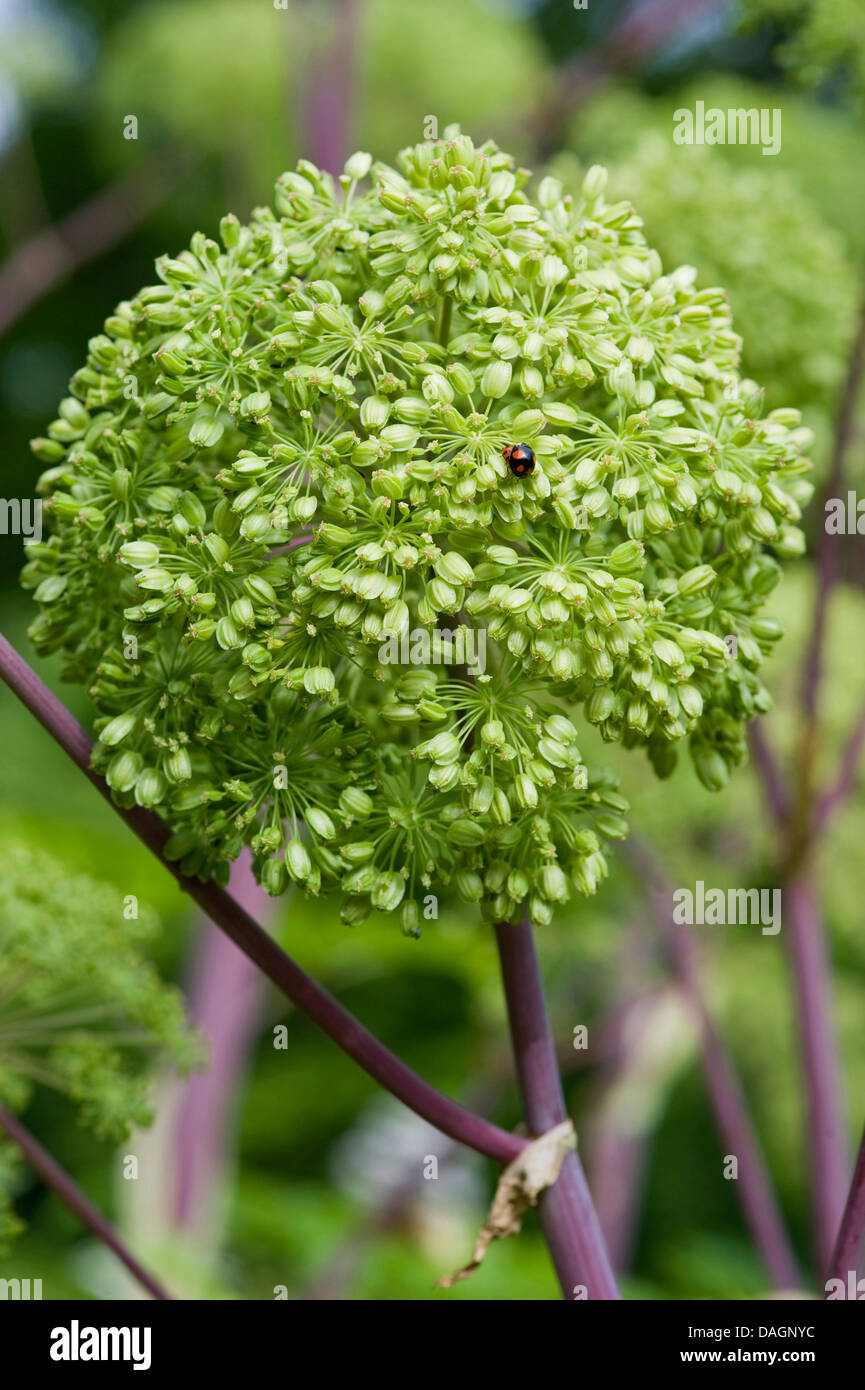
(51, 255)
(828, 550)
(848, 1247)
(620, 1133)
(70, 1194)
(753, 1188)
(330, 91)
(776, 790)
(806, 936)
(642, 31)
(826, 1128)
(831, 801)
(314, 1001)
(568, 1218)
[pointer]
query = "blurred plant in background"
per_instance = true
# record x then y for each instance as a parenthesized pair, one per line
(82, 1009)
(748, 227)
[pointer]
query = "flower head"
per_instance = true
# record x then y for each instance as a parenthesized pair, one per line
(289, 454)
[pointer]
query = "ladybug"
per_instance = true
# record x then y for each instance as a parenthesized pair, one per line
(519, 458)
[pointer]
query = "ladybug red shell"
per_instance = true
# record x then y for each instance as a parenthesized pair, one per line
(519, 458)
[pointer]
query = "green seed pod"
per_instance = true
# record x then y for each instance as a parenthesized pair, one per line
(525, 792)
(178, 766)
(355, 804)
(123, 770)
(469, 887)
(388, 892)
(355, 911)
(320, 823)
(409, 917)
(274, 877)
(150, 787)
(138, 555)
(454, 569)
(119, 728)
(711, 768)
(297, 860)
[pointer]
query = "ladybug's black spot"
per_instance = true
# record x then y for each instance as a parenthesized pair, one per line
(521, 459)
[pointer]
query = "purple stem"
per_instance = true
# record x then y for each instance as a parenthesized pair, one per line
(70, 1194)
(314, 1001)
(753, 1188)
(225, 1003)
(832, 800)
(826, 1129)
(619, 1140)
(642, 31)
(330, 92)
(828, 551)
(49, 257)
(568, 1219)
(848, 1247)
(775, 787)
(617, 1166)
(806, 938)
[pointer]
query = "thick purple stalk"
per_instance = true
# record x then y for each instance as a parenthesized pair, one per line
(826, 1128)
(848, 1247)
(314, 1001)
(225, 1003)
(70, 1194)
(568, 1218)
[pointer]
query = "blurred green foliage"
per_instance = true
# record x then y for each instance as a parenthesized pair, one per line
(827, 39)
(234, 75)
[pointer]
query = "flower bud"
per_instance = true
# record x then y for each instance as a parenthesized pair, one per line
(358, 165)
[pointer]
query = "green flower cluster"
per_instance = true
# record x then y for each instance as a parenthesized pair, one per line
(286, 459)
(81, 1008)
